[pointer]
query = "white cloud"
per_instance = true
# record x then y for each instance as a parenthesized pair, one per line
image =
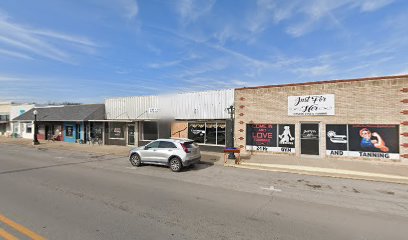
(371, 5)
(164, 64)
(301, 17)
(14, 54)
(74, 39)
(29, 42)
(130, 7)
(240, 83)
(154, 49)
(6, 78)
(191, 10)
(315, 71)
(173, 63)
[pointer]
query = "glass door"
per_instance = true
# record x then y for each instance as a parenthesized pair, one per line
(309, 138)
(131, 134)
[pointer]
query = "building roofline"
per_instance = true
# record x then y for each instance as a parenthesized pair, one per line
(325, 82)
(171, 94)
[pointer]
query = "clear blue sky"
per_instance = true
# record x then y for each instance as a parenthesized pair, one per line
(89, 50)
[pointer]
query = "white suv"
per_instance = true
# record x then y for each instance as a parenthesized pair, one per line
(175, 153)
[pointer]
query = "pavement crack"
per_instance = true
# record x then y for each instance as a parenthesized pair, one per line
(254, 215)
(314, 186)
(402, 206)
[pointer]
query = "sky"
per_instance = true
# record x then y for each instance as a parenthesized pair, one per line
(89, 50)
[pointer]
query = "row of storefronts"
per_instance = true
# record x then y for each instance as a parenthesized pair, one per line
(9, 111)
(200, 116)
(348, 119)
(359, 118)
(135, 121)
(62, 123)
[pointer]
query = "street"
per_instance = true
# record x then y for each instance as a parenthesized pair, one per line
(74, 195)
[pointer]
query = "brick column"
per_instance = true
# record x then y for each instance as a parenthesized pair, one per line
(404, 126)
(240, 125)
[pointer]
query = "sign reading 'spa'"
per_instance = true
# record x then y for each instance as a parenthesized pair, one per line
(311, 105)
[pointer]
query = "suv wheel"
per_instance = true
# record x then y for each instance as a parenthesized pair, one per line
(135, 160)
(175, 164)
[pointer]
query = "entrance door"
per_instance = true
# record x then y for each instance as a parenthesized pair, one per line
(78, 131)
(309, 138)
(131, 134)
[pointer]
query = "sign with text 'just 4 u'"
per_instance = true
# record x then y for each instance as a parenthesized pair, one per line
(311, 105)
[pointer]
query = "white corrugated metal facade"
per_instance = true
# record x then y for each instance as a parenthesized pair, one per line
(192, 105)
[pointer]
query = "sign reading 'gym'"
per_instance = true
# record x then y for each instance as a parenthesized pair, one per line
(311, 105)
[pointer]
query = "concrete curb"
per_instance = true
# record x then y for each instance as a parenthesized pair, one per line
(323, 172)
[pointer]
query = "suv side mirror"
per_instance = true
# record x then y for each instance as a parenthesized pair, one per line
(146, 147)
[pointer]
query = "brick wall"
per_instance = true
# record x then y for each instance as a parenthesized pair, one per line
(365, 101)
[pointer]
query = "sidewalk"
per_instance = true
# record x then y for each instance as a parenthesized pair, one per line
(371, 170)
(206, 157)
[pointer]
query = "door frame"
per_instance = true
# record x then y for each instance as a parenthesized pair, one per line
(134, 134)
(319, 140)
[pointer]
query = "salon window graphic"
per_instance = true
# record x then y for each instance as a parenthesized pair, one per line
(362, 140)
(271, 137)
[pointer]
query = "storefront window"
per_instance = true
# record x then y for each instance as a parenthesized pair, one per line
(29, 128)
(221, 133)
(211, 133)
(96, 130)
(4, 117)
(150, 130)
(164, 129)
(207, 132)
(196, 132)
(69, 131)
(116, 130)
(57, 130)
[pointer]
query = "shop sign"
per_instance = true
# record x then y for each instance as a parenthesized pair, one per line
(362, 140)
(116, 130)
(311, 105)
(153, 110)
(270, 137)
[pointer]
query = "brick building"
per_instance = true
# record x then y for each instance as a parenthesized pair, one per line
(349, 119)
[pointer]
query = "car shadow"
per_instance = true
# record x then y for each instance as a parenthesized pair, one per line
(198, 166)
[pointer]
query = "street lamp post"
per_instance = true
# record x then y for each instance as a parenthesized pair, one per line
(35, 140)
(231, 111)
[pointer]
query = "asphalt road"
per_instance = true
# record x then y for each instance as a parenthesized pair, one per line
(71, 195)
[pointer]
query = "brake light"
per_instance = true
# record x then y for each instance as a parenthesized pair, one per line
(185, 148)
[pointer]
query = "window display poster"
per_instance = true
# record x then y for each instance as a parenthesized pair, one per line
(374, 140)
(336, 137)
(261, 135)
(363, 140)
(270, 137)
(286, 134)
